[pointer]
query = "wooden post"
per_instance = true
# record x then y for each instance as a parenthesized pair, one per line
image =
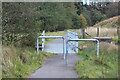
(83, 32)
(118, 33)
(97, 31)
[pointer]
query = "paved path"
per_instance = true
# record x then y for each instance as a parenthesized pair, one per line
(56, 46)
(55, 67)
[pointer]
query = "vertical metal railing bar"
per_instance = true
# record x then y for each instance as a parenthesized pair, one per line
(97, 46)
(63, 48)
(43, 40)
(43, 37)
(37, 45)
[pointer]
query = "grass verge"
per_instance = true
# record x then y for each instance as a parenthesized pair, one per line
(115, 39)
(20, 62)
(106, 66)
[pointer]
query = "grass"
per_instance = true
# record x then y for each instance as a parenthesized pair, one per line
(0, 62)
(21, 62)
(111, 22)
(115, 39)
(108, 28)
(81, 43)
(58, 33)
(104, 32)
(106, 66)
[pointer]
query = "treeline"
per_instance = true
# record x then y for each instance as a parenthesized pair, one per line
(97, 13)
(23, 21)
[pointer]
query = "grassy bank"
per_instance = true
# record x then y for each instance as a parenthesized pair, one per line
(58, 33)
(111, 22)
(104, 32)
(20, 62)
(106, 66)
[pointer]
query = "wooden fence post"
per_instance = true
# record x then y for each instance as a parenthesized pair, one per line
(97, 31)
(83, 32)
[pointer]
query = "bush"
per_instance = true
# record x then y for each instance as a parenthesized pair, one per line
(28, 40)
(83, 22)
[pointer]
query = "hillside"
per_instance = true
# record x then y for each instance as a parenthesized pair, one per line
(111, 22)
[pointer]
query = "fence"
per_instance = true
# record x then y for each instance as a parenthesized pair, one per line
(71, 40)
(43, 37)
(73, 45)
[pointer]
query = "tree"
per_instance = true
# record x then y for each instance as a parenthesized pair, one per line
(83, 24)
(92, 11)
(83, 21)
(87, 15)
(112, 9)
(29, 19)
(97, 16)
(18, 21)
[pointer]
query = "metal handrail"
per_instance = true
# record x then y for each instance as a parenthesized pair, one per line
(97, 47)
(43, 37)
